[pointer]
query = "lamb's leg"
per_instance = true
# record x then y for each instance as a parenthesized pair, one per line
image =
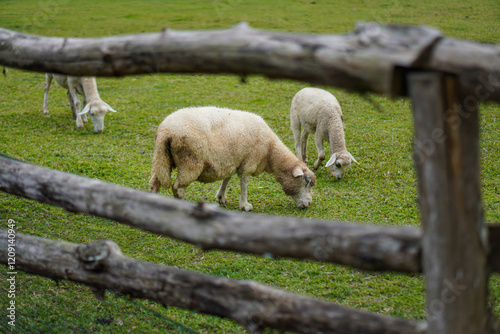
(84, 103)
(221, 194)
(71, 104)
(244, 205)
(295, 125)
(46, 89)
(74, 101)
(303, 142)
(321, 150)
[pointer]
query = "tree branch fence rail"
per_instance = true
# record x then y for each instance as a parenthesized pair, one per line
(446, 80)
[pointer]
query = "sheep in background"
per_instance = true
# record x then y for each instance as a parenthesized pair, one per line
(85, 86)
(318, 111)
(210, 144)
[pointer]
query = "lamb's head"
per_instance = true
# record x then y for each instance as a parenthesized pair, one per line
(298, 184)
(97, 110)
(339, 162)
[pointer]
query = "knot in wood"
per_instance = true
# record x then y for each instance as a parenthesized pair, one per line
(367, 33)
(203, 210)
(5, 46)
(94, 255)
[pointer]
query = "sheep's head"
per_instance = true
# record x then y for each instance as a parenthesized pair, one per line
(97, 110)
(299, 185)
(339, 162)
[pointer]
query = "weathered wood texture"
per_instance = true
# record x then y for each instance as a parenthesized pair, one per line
(454, 242)
(363, 246)
(494, 242)
(255, 306)
(476, 66)
(364, 60)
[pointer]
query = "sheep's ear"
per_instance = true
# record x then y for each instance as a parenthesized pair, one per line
(332, 160)
(297, 171)
(352, 158)
(85, 110)
(109, 108)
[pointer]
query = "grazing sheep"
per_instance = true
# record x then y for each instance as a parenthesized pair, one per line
(318, 111)
(85, 86)
(210, 144)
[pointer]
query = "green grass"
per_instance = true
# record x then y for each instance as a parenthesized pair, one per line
(381, 190)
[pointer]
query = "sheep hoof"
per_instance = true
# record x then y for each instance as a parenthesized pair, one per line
(246, 207)
(179, 193)
(45, 111)
(154, 184)
(221, 199)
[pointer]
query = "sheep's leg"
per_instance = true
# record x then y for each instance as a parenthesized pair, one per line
(321, 150)
(74, 101)
(154, 183)
(46, 89)
(185, 176)
(84, 103)
(221, 194)
(295, 125)
(303, 145)
(177, 190)
(71, 104)
(244, 205)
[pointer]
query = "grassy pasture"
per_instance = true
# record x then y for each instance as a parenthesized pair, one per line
(380, 190)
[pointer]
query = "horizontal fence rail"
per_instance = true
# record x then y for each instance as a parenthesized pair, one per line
(103, 266)
(363, 246)
(368, 247)
(374, 58)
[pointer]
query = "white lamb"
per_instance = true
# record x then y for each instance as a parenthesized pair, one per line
(85, 86)
(318, 111)
(209, 144)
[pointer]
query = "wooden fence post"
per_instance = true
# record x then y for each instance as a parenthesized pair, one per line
(454, 243)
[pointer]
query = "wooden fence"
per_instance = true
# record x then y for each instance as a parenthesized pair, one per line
(446, 80)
